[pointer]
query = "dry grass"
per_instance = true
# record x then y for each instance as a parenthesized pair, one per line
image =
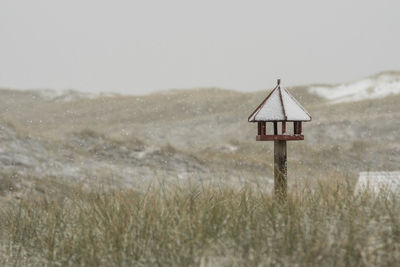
(200, 225)
(51, 221)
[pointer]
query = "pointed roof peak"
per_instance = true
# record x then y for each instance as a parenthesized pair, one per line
(279, 105)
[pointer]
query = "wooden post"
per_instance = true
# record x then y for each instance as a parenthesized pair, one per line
(280, 169)
(275, 127)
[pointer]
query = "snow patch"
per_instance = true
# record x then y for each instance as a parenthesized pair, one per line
(229, 148)
(369, 88)
(69, 95)
(378, 181)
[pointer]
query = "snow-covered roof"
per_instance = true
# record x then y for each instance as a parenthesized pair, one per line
(280, 105)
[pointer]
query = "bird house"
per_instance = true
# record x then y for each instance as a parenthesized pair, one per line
(279, 108)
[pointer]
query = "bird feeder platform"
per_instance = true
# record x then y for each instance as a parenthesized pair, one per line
(279, 137)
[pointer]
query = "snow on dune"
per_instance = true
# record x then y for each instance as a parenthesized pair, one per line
(64, 95)
(70, 95)
(377, 86)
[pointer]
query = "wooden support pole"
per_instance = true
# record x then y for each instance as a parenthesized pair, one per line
(275, 127)
(263, 128)
(283, 127)
(280, 169)
(259, 128)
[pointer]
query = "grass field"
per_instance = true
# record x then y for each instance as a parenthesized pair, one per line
(176, 178)
(172, 224)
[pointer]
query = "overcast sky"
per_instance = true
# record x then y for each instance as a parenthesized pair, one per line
(137, 47)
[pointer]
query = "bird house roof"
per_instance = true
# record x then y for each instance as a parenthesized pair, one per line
(279, 105)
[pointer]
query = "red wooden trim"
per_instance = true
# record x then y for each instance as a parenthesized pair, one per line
(259, 128)
(262, 103)
(283, 106)
(283, 127)
(279, 137)
(300, 128)
(281, 120)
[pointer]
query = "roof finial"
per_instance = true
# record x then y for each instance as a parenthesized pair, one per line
(279, 81)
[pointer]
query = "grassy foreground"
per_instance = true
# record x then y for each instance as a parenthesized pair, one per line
(202, 225)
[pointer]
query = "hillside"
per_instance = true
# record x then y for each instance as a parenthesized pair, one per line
(200, 133)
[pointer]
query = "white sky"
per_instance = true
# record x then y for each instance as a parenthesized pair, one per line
(137, 47)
